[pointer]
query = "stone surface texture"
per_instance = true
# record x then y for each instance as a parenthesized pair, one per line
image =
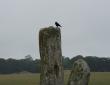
(80, 73)
(51, 56)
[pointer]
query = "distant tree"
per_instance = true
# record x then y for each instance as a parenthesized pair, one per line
(3, 66)
(28, 64)
(76, 58)
(36, 66)
(91, 61)
(66, 63)
(14, 65)
(29, 57)
(36, 69)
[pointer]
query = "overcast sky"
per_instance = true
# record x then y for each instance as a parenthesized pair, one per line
(85, 26)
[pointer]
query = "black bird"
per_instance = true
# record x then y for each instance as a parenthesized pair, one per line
(57, 24)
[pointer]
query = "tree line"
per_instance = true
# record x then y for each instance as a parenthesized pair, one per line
(96, 64)
(10, 65)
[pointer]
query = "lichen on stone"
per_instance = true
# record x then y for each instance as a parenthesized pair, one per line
(51, 56)
(80, 73)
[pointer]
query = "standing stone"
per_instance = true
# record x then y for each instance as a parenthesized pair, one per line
(51, 56)
(80, 73)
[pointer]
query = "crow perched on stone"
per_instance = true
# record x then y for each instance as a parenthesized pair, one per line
(57, 24)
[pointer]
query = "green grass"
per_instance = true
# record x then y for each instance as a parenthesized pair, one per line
(20, 79)
(96, 78)
(99, 78)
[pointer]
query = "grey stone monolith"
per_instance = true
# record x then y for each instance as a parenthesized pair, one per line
(80, 73)
(51, 56)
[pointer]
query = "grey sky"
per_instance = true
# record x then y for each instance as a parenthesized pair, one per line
(85, 26)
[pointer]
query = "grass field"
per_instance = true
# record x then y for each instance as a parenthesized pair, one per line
(96, 78)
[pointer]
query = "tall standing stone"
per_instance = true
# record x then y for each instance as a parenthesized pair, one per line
(51, 56)
(80, 73)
